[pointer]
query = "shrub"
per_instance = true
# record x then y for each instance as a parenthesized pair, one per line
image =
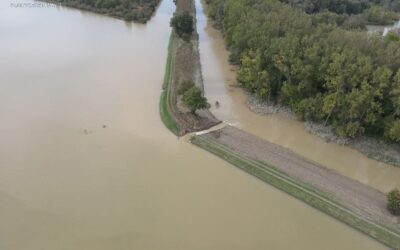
(393, 36)
(354, 22)
(379, 15)
(183, 23)
(184, 86)
(393, 199)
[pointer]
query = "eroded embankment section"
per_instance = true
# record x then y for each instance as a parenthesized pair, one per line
(183, 66)
(353, 203)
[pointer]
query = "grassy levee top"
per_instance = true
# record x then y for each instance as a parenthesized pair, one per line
(349, 201)
(129, 10)
(166, 106)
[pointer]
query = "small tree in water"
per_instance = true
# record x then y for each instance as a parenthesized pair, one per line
(183, 24)
(393, 199)
(194, 99)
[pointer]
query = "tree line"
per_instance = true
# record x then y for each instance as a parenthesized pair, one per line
(130, 10)
(343, 6)
(322, 71)
(360, 12)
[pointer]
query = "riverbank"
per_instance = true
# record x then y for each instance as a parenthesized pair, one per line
(133, 10)
(349, 201)
(183, 66)
(373, 148)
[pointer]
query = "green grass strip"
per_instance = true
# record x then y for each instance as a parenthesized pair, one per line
(169, 59)
(314, 197)
(165, 109)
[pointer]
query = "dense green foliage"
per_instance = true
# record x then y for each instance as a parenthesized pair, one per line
(345, 78)
(342, 6)
(394, 202)
(130, 10)
(379, 15)
(310, 195)
(185, 86)
(183, 24)
(350, 13)
(166, 107)
(393, 36)
(194, 99)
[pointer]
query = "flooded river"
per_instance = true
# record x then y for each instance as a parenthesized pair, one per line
(220, 85)
(86, 164)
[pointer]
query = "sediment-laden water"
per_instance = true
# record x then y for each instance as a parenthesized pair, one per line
(220, 85)
(86, 163)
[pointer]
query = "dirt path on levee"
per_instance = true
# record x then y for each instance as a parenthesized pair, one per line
(360, 198)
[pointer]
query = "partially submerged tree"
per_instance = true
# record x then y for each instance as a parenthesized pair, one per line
(194, 99)
(393, 204)
(183, 24)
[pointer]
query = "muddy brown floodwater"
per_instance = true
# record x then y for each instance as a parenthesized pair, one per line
(86, 163)
(220, 85)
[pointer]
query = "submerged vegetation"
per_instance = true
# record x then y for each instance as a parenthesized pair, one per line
(296, 56)
(129, 10)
